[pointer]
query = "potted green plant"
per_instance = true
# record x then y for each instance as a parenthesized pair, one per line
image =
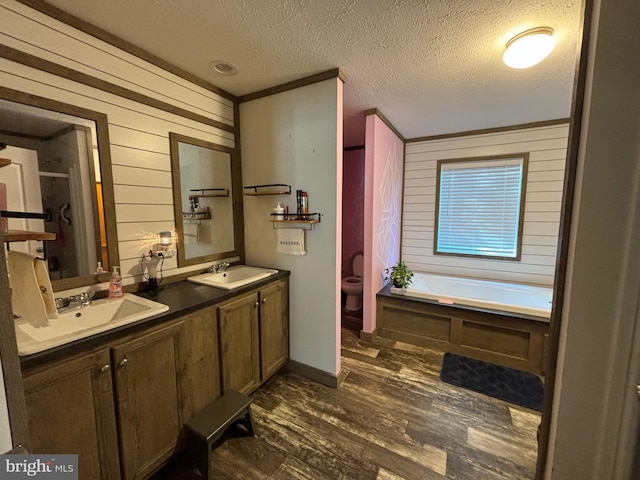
(399, 275)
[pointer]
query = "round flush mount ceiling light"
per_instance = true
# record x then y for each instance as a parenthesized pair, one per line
(530, 47)
(223, 68)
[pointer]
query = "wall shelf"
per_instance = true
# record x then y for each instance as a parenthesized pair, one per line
(197, 215)
(23, 236)
(210, 192)
(305, 221)
(37, 216)
(268, 189)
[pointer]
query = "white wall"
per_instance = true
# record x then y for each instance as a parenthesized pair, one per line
(294, 138)
(596, 410)
(547, 147)
(139, 134)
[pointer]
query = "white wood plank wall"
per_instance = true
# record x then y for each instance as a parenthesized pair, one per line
(139, 134)
(547, 147)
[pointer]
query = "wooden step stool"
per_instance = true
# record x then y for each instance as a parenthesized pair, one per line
(208, 425)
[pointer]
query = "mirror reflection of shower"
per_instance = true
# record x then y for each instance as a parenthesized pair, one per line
(54, 170)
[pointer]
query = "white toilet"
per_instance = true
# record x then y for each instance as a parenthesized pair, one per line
(352, 286)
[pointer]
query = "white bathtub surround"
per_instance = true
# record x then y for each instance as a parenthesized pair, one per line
(502, 296)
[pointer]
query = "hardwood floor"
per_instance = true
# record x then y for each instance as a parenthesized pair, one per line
(391, 419)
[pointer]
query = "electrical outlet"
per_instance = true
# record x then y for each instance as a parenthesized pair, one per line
(164, 253)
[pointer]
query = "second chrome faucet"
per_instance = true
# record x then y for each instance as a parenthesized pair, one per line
(218, 267)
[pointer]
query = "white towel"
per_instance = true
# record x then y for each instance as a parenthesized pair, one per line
(32, 296)
(190, 232)
(290, 241)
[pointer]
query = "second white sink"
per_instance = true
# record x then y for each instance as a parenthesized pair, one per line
(233, 277)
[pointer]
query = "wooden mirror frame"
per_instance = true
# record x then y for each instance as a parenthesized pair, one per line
(104, 151)
(236, 194)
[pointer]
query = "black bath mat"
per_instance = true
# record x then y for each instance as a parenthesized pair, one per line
(505, 383)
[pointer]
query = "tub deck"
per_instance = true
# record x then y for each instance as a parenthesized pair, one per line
(503, 338)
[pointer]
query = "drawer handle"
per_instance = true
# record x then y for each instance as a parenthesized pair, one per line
(105, 368)
(124, 362)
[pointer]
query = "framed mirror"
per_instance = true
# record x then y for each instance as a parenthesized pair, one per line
(207, 190)
(59, 167)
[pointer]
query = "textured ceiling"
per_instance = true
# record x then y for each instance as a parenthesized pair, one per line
(430, 66)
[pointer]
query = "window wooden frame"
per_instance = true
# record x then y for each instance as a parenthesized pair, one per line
(525, 169)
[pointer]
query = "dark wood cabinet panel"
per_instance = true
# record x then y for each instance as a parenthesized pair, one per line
(149, 399)
(274, 328)
(239, 347)
(496, 337)
(203, 363)
(70, 410)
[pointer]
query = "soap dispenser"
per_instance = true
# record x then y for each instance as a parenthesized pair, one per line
(116, 288)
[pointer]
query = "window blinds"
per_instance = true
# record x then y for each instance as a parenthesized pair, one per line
(479, 207)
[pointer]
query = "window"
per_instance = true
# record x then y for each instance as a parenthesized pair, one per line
(480, 206)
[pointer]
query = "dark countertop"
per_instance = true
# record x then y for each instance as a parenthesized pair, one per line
(182, 298)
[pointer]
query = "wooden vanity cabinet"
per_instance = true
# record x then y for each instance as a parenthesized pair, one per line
(70, 409)
(132, 392)
(121, 407)
(254, 337)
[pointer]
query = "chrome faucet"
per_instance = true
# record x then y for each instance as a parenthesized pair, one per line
(74, 301)
(218, 267)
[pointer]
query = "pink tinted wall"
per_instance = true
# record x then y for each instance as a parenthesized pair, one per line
(384, 160)
(352, 206)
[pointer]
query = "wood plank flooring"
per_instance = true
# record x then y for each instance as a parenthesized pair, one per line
(391, 419)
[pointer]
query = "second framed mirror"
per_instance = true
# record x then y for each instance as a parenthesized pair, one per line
(207, 200)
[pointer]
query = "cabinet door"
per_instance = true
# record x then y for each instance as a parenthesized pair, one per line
(203, 363)
(149, 399)
(70, 409)
(274, 328)
(239, 355)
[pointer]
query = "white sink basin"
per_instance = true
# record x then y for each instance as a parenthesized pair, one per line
(74, 324)
(233, 277)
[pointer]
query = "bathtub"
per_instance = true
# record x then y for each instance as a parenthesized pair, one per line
(505, 297)
(497, 322)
